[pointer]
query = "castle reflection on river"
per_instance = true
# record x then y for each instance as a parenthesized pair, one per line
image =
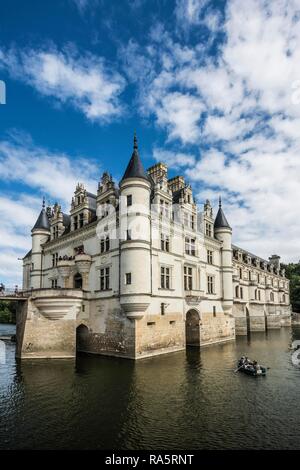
(187, 400)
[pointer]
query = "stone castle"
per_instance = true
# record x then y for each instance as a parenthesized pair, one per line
(136, 270)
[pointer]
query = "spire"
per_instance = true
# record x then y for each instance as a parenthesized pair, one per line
(135, 167)
(220, 220)
(42, 220)
(135, 145)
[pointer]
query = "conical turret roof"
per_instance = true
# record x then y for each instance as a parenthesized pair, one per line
(42, 220)
(220, 220)
(135, 167)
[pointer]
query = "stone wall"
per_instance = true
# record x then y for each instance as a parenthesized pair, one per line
(46, 325)
(240, 319)
(117, 338)
(157, 334)
(215, 329)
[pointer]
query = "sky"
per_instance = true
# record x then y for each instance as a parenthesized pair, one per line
(212, 89)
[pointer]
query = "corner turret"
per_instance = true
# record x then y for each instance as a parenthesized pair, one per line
(40, 234)
(223, 233)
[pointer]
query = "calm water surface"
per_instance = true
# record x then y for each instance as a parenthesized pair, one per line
(185, 400)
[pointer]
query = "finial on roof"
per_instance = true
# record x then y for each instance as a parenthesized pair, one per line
(135, 167)
(220, 202)
(44, 203)
(135, 145)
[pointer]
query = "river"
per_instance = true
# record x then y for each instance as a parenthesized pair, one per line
(185, 400)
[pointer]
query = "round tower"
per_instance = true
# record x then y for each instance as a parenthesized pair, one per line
(40, 234)
(223, 233)
(135, 239)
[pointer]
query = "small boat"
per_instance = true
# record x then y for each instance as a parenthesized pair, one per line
(251, 368)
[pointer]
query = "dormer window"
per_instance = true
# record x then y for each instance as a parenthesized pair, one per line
(164, 208)
(208, 229)
(104, 244)
(80, 220)
(190, 246)
(164, 242)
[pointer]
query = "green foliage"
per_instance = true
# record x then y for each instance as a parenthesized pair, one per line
(7, 310)
(292, 272)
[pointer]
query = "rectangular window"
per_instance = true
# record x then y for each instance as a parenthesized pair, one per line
(186, 219)
(128, 235)
(210, 284)
(80, 220)
(129, 200)
(54, 283)
(104, 278)
(165, 277)
(209, 257)
(192, 222)
(164, 242)
(190, 246)
(188, 278)
(104, 244)
(54, 259)
(214, 312)
(128, 279)
(208, 229)
(241, 292)
(75, 222)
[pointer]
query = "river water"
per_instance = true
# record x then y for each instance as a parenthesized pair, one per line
(186, 400)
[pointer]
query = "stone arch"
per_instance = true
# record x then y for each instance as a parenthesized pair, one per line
(192, 328)
(77, 281)
(82, 337)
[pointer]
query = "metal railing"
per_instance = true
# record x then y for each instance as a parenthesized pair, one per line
(12, 292)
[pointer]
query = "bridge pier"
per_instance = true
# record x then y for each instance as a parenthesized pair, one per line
(46, 324)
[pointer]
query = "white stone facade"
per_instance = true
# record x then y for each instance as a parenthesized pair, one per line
(154, 272)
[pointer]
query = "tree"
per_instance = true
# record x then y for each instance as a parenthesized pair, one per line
(292, 272)
(7, 311)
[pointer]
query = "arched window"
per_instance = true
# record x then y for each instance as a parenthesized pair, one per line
(237, 291)
(283, 298)
(241, 292)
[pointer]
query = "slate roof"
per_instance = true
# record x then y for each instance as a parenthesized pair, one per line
(220, 220)
(135, 167)
(42, 221)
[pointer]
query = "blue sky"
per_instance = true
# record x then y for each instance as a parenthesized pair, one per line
(211, 87)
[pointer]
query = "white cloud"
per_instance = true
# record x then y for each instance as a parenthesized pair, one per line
(50, 173)
(239, 108)
(189, 10)
(84, 82)
(173, 159)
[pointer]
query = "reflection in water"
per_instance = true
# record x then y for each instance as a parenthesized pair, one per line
(189, 399)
